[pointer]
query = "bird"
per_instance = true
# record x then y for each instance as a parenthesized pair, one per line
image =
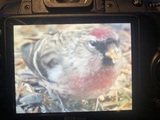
(75, 64)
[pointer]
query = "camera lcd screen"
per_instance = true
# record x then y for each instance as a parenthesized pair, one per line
(72, 67)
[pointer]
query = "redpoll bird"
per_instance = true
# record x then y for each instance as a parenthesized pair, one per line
(75, 64)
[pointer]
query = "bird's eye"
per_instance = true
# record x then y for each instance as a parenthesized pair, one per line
(92, 43)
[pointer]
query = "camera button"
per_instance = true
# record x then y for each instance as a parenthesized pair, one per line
(137, 3)
(0, 33)
(111, 6)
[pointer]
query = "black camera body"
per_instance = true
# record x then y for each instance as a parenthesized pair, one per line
(143, 16)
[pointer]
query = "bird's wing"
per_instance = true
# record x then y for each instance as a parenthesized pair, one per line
(27, 55)
(41, 60)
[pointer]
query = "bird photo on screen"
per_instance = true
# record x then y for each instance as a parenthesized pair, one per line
(75, 64)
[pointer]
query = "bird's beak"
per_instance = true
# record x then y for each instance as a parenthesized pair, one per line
(113, 53)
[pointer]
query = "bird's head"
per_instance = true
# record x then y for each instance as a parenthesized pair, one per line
(104, 43)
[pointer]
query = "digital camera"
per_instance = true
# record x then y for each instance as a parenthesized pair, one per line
(80, 60)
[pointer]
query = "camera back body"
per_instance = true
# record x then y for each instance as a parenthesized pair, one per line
(144, 19)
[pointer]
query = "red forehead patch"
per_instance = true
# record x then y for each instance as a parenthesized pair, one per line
(102, 33)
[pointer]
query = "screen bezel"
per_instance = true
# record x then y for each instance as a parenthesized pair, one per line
(71, 19)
